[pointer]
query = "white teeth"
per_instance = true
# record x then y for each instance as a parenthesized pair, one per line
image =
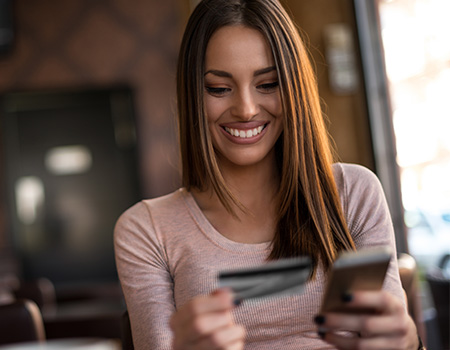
(245, 133)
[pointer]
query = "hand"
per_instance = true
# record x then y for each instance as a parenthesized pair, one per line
(206, 322)
(390, 327)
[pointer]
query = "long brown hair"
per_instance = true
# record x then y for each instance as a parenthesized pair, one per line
(311, 220)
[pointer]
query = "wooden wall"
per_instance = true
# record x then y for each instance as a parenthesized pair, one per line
(85, 43)
(349, 124)
(82, 44)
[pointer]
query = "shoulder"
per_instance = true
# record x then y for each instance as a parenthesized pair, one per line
(146, 207)
(145, 230)
(361, 195)
(355, 182)
(349, 175)
(146, 215)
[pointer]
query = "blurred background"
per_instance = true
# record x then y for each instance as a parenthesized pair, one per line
(88, 128)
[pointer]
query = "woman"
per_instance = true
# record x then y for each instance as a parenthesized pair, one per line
(258, 185)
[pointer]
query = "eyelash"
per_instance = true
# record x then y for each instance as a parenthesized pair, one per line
(218, 91)
(269, 86)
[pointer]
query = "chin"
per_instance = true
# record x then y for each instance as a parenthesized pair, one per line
(244, 160)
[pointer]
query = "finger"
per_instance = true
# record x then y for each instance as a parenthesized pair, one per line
(345, 342)
(221, 300)
(205, 325)
(341, 342)
(231, 337)
(236, 346)
(369, 326)
(380, 301)
(391, 317)
(392, 325)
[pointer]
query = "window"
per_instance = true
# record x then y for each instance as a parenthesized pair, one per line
(415, 36)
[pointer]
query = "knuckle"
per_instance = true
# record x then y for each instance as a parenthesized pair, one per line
(197, 326)
(194, 307)
(358, 345)
(399, 343)
(402, 325)
(237, 346)
(385, 298)
(242, 332)
(215, 341)
(366, 324)
(229, 318)
(361, 344)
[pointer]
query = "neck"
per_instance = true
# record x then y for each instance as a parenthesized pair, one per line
(255, 187)
(253, 184)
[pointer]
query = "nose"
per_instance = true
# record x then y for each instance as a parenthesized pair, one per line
(245, 105)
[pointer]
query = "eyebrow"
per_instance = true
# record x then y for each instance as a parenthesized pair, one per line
(221, 73)
(264, 71)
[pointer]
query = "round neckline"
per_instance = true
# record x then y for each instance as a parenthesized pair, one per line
(210, 231)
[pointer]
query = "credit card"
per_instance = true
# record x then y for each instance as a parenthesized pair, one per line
(275, 278)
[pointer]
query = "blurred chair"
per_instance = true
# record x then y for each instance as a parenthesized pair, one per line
(21, 321)
(41, 291)
(8, 283)
(408, 275)
(127, 338)
(110, 291)
(439, 284)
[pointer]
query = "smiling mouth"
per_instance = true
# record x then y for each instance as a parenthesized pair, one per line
(245, 133)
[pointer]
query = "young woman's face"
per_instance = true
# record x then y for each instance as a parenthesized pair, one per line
(242, 98)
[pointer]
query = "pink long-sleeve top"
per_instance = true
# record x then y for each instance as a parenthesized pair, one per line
(167, 252)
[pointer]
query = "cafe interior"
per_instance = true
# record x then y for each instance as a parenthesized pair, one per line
(88, 128)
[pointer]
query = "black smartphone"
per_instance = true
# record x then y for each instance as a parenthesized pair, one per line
(362, 270)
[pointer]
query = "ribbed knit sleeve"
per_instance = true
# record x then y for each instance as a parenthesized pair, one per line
(368, 216)
(145, 278)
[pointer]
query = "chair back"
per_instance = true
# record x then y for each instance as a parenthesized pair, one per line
(127, 338)
(439, 283)
(408, 269)
(21, 321)
(41, 291)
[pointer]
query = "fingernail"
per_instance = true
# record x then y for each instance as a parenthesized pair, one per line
(237, 301)
(347, 297)
(319, 319)
(321, 334)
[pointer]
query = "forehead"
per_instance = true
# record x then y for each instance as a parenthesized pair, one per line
(238, 45)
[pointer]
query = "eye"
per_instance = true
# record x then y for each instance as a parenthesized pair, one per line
(269, 87)
(217, 91)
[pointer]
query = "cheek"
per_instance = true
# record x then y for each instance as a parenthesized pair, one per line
(213, 108)
(274, 106)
